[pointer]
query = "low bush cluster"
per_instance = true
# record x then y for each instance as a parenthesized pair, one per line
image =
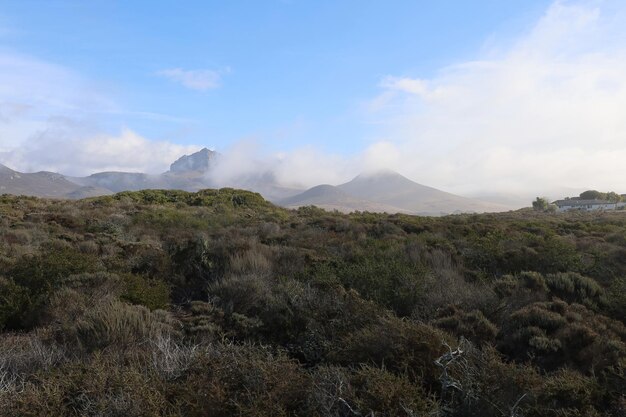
(169, 303)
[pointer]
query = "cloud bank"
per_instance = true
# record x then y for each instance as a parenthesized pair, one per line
(547, 110)
(542, 113)
(78, 155)
(247, 162)
(50, 120)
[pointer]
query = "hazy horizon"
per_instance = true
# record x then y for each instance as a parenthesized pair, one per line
(527, 98)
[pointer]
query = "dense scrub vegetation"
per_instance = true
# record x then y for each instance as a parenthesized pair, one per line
(166, 303)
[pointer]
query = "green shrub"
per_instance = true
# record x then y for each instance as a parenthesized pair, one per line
(247, 294)
(14, 303)
(261, 306)
(398, 345)
(151, 293)
(23, 355)
(486, 384)
(473, 325)
(305, 312)
(616, 298)
(98, 388)
(250, 262)
(42, 273)
(242, 381)
(575, 288)
(534, 281)
(569, 394)
(204, 321)
(379, 274)
(554, 334)
(122, 326)
(382, 393)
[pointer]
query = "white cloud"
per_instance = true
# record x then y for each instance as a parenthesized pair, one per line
(414, 86)
(248, 160)
(67, 150)
(47, 88)
(545, 111)
(50, 117)
(308, 166)
(34, 92)
(199, 80)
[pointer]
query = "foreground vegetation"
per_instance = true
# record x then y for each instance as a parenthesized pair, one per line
(217, 303)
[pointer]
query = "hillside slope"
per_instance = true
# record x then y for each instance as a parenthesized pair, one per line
(384, 191)
(393, 189)
(330, 197)
(39, 184)
(218, 303)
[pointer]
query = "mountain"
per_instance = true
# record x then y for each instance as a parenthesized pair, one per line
(189, 172)
(87, 192)
(118, 181)
(40, 184)
(330, 197)
(390, 188)
(382, 191)
(200, 161)
(133, 181)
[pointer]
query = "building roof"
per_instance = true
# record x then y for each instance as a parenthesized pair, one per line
(575, 203)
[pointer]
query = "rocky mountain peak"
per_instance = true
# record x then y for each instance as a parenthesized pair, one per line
(199, 161)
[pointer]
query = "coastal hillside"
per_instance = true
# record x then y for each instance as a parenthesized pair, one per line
(41, 184)
(390, 188)
(173, 303)
(331, 198)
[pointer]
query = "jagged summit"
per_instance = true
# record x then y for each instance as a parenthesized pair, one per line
(199, 161)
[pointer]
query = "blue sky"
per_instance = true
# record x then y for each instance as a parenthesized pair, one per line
(463, 95)
(290, 71)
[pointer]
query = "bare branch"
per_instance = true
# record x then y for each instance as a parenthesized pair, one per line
(514, 408)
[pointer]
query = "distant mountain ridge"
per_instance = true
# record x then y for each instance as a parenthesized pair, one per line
(330, 197)
(117, 181)
(381, 191)
(41, 184)
(388, 191)
(189, 172)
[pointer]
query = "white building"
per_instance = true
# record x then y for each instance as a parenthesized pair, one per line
(586, 205)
